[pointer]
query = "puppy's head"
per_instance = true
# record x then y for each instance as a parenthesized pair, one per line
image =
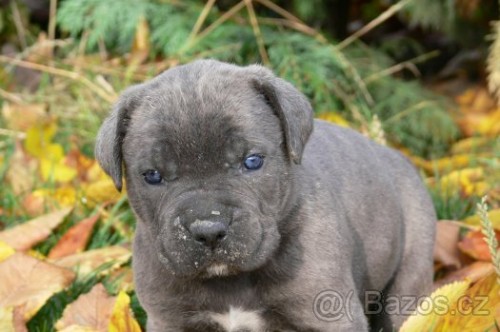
(209, 152)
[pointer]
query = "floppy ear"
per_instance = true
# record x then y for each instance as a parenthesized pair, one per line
(292, 108)
(108, 148)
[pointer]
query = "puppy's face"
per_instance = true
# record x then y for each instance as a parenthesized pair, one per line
(208, 156)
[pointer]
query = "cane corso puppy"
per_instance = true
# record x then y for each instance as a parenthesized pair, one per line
(252, 216)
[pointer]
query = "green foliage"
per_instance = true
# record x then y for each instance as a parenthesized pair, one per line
(332, 79)
(433, 14)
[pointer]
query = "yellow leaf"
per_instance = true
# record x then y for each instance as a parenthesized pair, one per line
(26, 235)
(5, 251)
(476, 310)
(468, 181)
(489, 125)
(431, 310)
(53, 165)
(100, 191)
(38, 138)
(6, 320)
(122, 319)
(493, 215)
(334, 117)
(29, 282)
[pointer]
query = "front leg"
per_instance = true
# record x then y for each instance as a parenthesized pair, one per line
(325, 311)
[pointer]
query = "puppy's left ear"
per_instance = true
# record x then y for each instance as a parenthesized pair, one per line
(108, 147)
(292, 108)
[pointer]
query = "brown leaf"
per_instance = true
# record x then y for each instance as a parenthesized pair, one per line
(75, 239)
(474, 245)
(446, 249)
(89, 261)
(26, 235)
(27, 281)
(472, 273)
(92, 310)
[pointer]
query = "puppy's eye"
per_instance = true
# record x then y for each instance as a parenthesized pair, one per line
(152, 176)
(253, 162)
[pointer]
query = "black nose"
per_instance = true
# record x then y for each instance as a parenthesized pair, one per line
(208, 232)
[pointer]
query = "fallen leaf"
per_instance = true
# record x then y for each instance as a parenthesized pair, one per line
(474, 245)
(446, 249)
(468, 181)
(471, 273)
(476, 310)
(12, 320)
(38, 141)
(88, 261)
(122, 319)
(5, 251)
(101, 191)
(49, 199)
(427, 314)
(75, 239)
(493, 215)
(26, 235)
(55, 169)
(90, 311)
(27, 281)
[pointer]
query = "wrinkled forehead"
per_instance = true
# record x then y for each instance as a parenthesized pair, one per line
(206, 115)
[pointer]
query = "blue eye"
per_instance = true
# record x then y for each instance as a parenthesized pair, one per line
(253, 162)
(152, 177)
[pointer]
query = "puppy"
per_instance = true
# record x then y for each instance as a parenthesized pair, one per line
(250, 220)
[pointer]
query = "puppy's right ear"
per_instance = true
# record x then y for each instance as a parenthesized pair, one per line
(108, 148)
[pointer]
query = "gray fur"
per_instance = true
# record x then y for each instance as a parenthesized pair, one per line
(338, 213)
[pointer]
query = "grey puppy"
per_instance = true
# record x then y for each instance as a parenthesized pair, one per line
(242, 226)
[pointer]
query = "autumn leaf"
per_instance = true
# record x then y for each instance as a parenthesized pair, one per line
(90, 311)
(425, 318)
(122, 319)
(88, 261)
(493, 215)
(98, 311)
(445, 248)
(473, 244)
(38, 141)
(26, 235)
(468, 181)
(29, 282)
(5, 251)
(75, 239)
(476, 310)
(471, 273)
